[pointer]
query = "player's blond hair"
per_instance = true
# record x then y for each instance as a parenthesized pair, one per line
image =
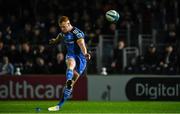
(63, 19)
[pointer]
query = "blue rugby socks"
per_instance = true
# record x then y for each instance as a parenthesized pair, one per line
(69, 74)
(67, 93)
(68, 88)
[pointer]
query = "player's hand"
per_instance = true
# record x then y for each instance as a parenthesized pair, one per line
(88, 56)
(52, 41)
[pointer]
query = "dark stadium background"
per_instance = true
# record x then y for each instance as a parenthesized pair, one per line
(27, 26)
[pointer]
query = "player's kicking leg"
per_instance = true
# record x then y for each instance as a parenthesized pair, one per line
(71, 79)
(57, 107)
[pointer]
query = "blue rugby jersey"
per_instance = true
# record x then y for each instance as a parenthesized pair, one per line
(70, 39)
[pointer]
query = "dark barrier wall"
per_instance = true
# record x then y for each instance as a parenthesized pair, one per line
(34, 87)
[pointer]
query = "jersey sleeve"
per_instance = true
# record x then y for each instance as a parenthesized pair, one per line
(79, 34)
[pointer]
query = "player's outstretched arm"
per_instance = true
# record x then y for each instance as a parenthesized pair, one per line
(55, 40)
(82, 45)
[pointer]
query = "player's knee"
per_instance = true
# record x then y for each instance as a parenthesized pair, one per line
(70, 64)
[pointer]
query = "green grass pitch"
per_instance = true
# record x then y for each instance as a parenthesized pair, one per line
(90, 107)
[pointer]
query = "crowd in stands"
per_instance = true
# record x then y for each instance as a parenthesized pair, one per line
(26, 27)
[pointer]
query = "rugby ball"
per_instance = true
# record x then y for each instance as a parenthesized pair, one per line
(112, 16)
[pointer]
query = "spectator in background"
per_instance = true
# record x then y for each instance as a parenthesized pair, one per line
(28, 67)
(26, 52)
(2, 50)
(151, 58)
(13, 54)
(6, 68)
(7, 35)
(117, 63)
(171, 35)
(112, 29)
(1, 24)
(59, 66)
(37, 37)
(169, 58)
(53, 31)
(178, 50)
(41, 52)
(26, 34)
(40, 67)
